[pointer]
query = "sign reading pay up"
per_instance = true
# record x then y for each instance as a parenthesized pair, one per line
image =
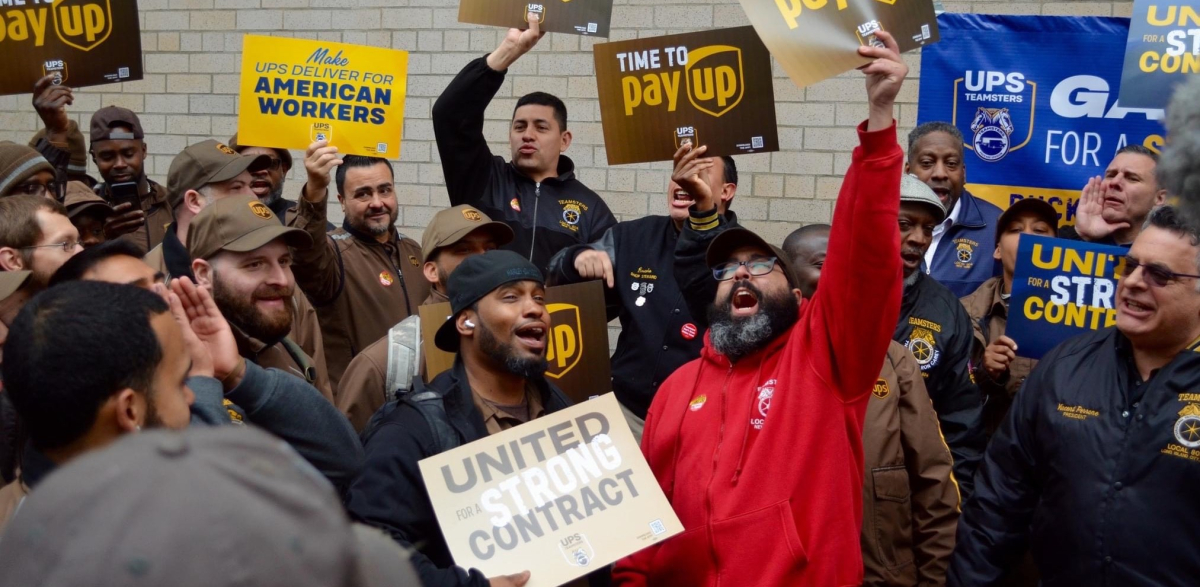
(708, 88)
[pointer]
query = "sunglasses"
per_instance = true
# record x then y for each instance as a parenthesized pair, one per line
(756, 267)
(1154, 274)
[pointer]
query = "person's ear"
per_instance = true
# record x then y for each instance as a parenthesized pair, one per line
(194, 201)
(728, 191)
(466, 323)
(566, 141)
(129, 410)
(431, 273)
(996, 253)
(1160, 197)
(799, 294)
(342, 201)
(11, 259)
(203, 270)
(907, 168)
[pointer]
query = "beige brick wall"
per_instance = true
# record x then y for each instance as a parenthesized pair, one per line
(192, 56)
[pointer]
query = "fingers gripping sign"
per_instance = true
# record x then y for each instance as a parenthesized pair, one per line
(884, 76)
(320, 159)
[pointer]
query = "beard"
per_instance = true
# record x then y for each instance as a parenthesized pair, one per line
(506, 355)
(275, 195)
(738, 337)
(364, 225)
(242, 313)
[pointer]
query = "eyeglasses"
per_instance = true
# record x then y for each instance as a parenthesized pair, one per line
(66, 246)
(1154, 274)
(760, 266)
(36, 189)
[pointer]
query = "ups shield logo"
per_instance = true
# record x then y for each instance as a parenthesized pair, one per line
(83, 24)
(715, 83)
(321, 131)
(565, 345)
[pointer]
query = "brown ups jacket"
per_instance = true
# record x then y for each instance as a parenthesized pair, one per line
(360, 287)
(910, 498)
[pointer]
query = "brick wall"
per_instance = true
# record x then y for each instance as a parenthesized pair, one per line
(192, 57)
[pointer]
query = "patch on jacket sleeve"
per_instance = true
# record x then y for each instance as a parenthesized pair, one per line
(923, 347)
(881, 388)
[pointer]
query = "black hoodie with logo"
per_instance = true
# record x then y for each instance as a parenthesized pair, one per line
(545, 217)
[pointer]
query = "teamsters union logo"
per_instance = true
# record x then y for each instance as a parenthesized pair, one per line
(993, 128)
(1000, 107)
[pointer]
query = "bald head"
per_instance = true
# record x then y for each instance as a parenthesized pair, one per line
(805, 249)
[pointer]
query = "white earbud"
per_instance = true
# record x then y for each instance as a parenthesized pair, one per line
(469, 323)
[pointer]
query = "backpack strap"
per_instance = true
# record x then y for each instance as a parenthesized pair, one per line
(302, 361)
(404, 357)
(432, 406)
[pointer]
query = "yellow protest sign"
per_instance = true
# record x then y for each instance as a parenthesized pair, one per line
(297, 91)
(560, 496)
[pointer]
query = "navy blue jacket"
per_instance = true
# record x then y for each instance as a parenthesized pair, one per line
(1094, 469)
(963, 259)
(658, 334)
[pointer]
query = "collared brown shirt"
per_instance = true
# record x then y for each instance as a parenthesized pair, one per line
(989, 317)
(496, 419)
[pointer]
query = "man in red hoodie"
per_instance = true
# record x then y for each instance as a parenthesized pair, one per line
(758, 443)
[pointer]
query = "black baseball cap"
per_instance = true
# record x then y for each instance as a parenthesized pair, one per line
(476, 277)
(1040, 208)
(732, 239)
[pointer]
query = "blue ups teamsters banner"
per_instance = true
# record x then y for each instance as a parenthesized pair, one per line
(1163, 50)
(1036, 100)
(1061, 288)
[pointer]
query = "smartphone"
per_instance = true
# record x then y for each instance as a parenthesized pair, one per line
(120, 193)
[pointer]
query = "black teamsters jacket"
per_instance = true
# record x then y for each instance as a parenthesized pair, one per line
(658, 335)
(546, 217)
(390, 493)
(935, 326)
(1093, 469)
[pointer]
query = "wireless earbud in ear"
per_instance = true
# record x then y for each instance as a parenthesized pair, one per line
(469, 323)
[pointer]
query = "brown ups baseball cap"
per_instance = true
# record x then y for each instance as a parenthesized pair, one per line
(205, 507)
(239, 224)
(721, 250)
(79, 199)
(204, 163)
(106, 118)
(284, 154)
(11, 281)
(452, 224)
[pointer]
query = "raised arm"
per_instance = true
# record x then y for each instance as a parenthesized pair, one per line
(318, 269)
(458, 116)
(859, 300)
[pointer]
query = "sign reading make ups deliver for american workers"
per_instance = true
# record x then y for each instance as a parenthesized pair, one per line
(295, 92)
(818, 39)
(709, 88)
(79, 42)
(560, 496)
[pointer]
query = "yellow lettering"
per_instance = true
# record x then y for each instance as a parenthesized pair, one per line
(564, 345)
(670, 82)
(791, 9)
(1148, 62)
(1154, 143)
(1152, 16)
(652, 93)
(1076, 316)
(1055, 313)
(18, 29)
(37, 21)
(1033, 308)
(94, 23)
(1040, 263)
(1074, 261)
(632, 92)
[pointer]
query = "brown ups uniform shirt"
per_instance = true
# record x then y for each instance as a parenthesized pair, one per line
(277, 356)
(359, 287)
(361, 391)
(989, 315)
(910, 499)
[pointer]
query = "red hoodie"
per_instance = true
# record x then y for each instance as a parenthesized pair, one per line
(762, 460)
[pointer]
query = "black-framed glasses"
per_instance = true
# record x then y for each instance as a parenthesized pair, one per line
(66, 246)
(1154, 274)
(759, 266)
(36, 189)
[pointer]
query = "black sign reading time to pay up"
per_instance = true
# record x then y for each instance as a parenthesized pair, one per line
(80, 42)
(709, 88)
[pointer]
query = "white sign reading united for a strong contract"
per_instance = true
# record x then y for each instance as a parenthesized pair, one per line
(560, 496)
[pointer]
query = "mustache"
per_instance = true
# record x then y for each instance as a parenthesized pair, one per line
(269, 291)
